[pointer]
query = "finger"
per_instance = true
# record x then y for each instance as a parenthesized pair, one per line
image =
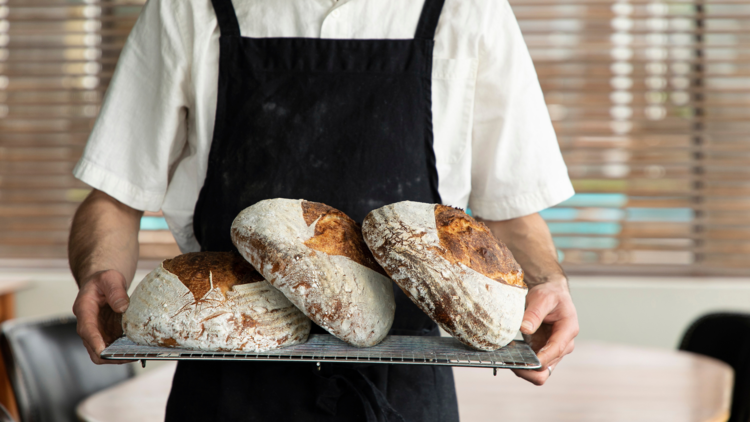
(88, 329)
(540, 376)
(112, 285)
(92, 338)
(86, 309)
(537, 376)
(97, 359)
(539, 305)
(568, 350)
(93, 355)
(539, 339)
(563, 333)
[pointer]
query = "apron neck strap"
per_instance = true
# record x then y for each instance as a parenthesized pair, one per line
(429, 19)
(426, 27)
(227, 18)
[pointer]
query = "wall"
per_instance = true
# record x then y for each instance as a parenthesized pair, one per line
(651, 311)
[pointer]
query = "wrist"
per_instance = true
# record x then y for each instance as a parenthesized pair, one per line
(550, 280)
(98, 275)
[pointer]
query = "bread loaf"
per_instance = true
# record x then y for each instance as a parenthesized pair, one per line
(212, 301)
(316, 256)
(453, 268)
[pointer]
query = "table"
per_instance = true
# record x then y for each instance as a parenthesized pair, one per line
(143, 398)
(598, 382)
(605, 382)
(8, 287)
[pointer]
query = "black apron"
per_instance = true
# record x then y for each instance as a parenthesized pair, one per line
(344, 122)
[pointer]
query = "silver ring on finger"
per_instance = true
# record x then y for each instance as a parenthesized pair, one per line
(549, 369)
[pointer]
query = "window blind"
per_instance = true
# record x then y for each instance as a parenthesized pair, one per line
(56, 60)
(651, 104)
(650, 100)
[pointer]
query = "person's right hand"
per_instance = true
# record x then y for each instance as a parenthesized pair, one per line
(102, 299)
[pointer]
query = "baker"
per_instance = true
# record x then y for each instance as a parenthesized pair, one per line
(216, 105)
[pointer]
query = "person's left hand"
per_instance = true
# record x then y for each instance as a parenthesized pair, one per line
(549, 326)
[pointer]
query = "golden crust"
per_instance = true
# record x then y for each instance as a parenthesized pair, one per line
(469, 242)
(337, 234)
(198, 270)
(173, 307)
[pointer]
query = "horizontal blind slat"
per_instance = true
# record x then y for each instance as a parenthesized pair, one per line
(650, 101)
(56, 60)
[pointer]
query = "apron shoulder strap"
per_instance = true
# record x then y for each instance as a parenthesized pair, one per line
(227, 18)
(428, 20)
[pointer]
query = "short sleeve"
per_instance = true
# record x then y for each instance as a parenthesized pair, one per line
(517, 167)
(141, 130)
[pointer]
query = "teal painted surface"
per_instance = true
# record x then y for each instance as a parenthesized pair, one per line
(559, 214)
(585, 242)
(579, 227)
(154, 223)
(598, 214)
(604, 214)
(672, 215)
(604, 200)
(669, 215)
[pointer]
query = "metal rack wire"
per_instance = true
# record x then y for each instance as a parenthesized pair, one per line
(411, 350)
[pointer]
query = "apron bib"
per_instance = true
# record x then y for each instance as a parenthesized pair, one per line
(344, 122)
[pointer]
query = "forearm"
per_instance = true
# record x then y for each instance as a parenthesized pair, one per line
(530, 241)
(550, 322)
(103, 236)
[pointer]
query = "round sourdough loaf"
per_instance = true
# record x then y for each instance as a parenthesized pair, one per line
(316, 256)
(453, 268)
(213, 301)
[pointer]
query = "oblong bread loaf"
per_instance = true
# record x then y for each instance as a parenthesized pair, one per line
(453, 268)
(316, 256)
(212, 301)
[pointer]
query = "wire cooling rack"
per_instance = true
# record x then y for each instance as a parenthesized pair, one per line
(411, 350)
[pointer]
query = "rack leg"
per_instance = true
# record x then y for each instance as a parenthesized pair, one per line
(318, 363)
(143, 363)
(494, 372)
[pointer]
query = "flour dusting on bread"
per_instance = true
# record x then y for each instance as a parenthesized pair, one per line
(321, 269)
(212, 301)
(409, 240)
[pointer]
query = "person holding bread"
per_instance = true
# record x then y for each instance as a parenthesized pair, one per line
(219, 104)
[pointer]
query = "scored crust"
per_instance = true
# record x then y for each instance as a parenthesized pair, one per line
(315, 255)
(200, 272)
(450, 267)
(212, 301)
(337, 234)
(467, 241)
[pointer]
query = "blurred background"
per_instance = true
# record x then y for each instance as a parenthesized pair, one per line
(650, 100)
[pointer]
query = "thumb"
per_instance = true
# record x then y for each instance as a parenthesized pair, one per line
(113, 287)
(538, 306)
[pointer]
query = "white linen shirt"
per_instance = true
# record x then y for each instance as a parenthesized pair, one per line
(495, 147)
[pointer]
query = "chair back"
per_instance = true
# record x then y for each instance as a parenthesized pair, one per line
(50, 369)
(4, 415)
(725, 336)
